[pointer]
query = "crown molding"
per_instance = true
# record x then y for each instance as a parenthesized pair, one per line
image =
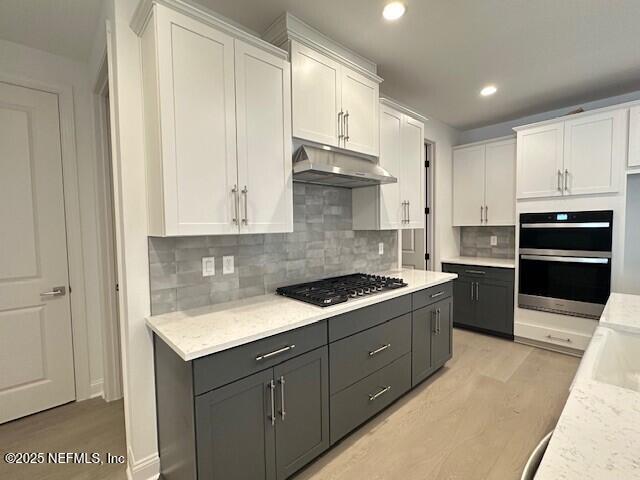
(403, 108)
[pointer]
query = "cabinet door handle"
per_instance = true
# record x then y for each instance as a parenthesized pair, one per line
(272, 388)
(275, 352)
(559, 180)
(481, 212)
(340, 126)
(439, 320)
(378, 350)
(566, 180)
(408, 211)
(477, 292)
(346, 128)
(486, 214)
(476, 272)
(559, 339)
(234, 190)
(436, 295)
(282, 411)
(245, 192)
(472, 287)
(384, 390)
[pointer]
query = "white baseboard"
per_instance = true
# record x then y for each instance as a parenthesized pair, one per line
(97, 388)
(147, 468)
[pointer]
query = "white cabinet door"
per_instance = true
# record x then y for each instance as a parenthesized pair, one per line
(390, 159)
(316, 95)
(264, 141)
(500, 183)
(413, 172)
(593, 148)
(634, 136)
(196, 78)
(468, 185)
(539, 165)
(360, 107)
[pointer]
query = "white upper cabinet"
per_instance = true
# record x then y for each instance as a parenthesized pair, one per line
(316, 95)
(217, 127)
(468, 186)
(263, 106)
(593, 146)
(540, 164)
(580, 155)
(332, 103)
(634, 136)
(360, 113)
(484, 184)
(500, 183)
(398, 205)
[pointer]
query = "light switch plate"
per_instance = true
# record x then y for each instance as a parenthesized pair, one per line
(380, 248)
(208, 266)
(494, 241)
(227, 264)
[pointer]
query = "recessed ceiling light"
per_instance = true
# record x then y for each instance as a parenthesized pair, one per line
(488, 90)
(393, 10)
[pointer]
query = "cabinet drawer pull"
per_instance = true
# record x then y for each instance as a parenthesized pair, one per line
(475, 272)
(282, 411)
(566, 180)
(245, 192)
(272, 388)
(275, 352)
(234, 190)
(477, 292)
(435, 295)
(559, 180)
(378, 350)
(340, 135)
(346, 126)
(559, 339)
(384, 390)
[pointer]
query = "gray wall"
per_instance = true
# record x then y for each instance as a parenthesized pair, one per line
(322, 244)
(476, 242)
(505, 128)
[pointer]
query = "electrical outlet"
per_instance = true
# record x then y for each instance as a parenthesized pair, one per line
(208, 266)
(227, 264)
(381, 248)
(494, 241)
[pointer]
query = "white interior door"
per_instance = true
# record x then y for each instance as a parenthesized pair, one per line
(36, 356)
(412, 183)
(540, 162)
(263, 109)
(196, 65)
(390, 159)
(468, 185)
(593, 149)
(315, 95)
(500, 183)
(360, 105)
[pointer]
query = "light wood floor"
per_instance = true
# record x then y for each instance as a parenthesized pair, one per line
(89, 426)
(478, 418)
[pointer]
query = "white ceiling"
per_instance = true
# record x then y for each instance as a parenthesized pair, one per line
(62, 27)
(542, 54)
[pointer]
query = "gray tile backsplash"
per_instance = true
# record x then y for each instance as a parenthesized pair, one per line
(322, 244)
(476, 242)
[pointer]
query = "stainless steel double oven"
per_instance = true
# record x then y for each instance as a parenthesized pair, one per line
(565, 262)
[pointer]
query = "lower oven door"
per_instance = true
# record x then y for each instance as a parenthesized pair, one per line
(565, 284)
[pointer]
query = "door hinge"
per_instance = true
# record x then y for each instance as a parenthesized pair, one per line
(427, 164)
(69, 289)
(427, 210)
(117, 287)
(427, 256)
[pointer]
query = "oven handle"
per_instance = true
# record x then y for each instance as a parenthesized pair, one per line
(553, 258)
(564, 253)
(567, 225)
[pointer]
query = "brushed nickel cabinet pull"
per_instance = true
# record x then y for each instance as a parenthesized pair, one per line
(245, 192)
(282, 411)
(435, 295)
(378, 350)
(346, 128)
(476, 272)
(272, 388)
(275, 352)
(234, 190)
(566, 179)
(340, 135)
(384, 390)
(559, 339)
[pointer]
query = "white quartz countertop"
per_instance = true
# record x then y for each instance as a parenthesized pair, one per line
(598, 434)
(203, 331)
(482, 261)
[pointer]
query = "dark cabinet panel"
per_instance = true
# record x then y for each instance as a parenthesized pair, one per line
(423, 325)
(302, 410)
(464, 312)
(495, 306)
(441, 335)
(235, 431)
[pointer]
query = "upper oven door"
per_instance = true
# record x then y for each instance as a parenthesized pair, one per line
(573, 233)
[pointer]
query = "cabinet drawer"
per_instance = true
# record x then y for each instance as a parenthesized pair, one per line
(224, 367)
(359, 402)
(367, 317)
(495, 273)
(432, 295)
(355, 357)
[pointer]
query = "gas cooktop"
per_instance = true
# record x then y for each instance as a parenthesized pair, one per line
(331, 291)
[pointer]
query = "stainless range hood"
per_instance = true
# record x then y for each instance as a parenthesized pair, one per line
(325, 166)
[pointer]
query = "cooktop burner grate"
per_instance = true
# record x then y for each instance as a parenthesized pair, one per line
(331, 291)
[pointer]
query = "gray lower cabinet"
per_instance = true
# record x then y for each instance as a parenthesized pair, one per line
(431, 339)
(484, 298)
